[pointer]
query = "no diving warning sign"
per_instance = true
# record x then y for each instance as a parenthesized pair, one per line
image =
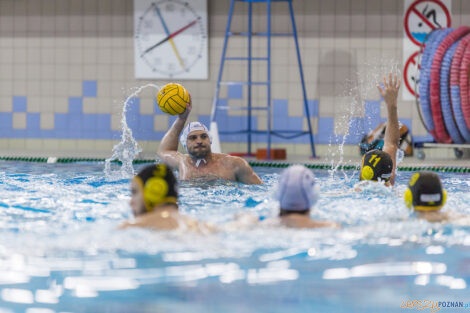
(421, 17)
(410, 73)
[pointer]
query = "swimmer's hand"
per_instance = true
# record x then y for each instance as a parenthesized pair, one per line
(189, 107)
(390, 90)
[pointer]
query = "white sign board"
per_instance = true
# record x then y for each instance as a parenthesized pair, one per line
(421, 17)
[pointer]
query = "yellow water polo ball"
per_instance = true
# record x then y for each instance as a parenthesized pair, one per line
(173, 99)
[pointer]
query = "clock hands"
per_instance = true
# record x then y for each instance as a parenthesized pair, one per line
(169, 37)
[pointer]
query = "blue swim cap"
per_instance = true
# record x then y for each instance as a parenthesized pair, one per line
(298, 189)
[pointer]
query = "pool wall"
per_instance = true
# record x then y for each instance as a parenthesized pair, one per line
(67, 66)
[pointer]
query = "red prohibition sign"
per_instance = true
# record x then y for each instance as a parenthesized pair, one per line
(412, 9)
(411, 61)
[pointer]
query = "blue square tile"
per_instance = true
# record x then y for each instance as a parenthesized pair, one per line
(89, 88)
(295, 123)
(60, 121)
(235, 91)
(89, 126)
(18, 133)
(279, 108)
(159, 135)
(33, 121)
(19, 104)
(156, 109)
(75, 105)
(115, 135)
(279, 123)
(47, 133)
(312, 108)
(146, 124)
(326, 128)
(103, 122)
(171, 119)
(32, 125)
(205, 119)
(6, 122)
(74, 122)
(133, 107)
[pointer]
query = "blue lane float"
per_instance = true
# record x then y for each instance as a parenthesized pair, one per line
(445, 96)
(441, 134)
(455, 93)
(425, 75)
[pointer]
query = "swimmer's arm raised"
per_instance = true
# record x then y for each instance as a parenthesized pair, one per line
(168, 148)
(244, 173)
(392, 133)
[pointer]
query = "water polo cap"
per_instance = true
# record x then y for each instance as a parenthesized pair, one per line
(158, 185)
(298, 189)
(193, 126)
(376, 165)
(425, 192)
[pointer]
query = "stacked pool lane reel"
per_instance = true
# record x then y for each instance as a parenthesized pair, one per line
(443, 85)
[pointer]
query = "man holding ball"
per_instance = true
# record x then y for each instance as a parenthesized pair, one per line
(200, 162)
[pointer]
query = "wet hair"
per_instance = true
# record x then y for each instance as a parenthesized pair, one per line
(376, 165)
(159, 185)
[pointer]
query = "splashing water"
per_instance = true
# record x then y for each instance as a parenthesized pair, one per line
(126, 150)
(352, 103)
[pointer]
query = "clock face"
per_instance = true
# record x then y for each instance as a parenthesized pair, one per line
(170, 39)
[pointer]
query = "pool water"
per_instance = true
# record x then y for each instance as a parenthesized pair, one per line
(61, 251)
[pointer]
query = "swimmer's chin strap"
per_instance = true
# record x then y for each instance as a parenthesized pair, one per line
(198, 162)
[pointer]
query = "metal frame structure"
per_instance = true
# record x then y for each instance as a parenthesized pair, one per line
(250, 83)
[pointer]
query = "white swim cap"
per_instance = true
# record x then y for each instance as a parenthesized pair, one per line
(297, 189)
(193, 126)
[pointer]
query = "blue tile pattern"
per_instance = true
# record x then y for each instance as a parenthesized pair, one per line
(78, 125)
(312, 108)
(19, 104)
(235, 91)
(90, 88)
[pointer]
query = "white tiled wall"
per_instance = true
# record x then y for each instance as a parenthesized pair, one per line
(49, 47)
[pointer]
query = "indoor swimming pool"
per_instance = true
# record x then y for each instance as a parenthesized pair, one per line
(61, 250)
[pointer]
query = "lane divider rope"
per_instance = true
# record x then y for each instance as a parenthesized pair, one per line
(319, 166)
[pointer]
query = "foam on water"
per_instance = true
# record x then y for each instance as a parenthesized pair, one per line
(72, 252)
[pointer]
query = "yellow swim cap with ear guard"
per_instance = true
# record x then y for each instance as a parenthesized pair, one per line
(425, 192)
(158, 185)
(376, 165)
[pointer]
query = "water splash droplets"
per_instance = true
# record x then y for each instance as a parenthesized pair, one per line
(350, 104)
(127, 149)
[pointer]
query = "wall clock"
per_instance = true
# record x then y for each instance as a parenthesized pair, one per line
(170, 39)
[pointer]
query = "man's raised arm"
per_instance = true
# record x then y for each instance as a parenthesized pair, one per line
(168, 148)
(392, 132)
